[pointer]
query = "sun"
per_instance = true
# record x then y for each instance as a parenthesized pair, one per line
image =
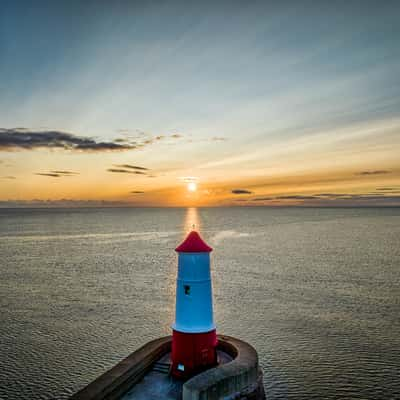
(192, 186)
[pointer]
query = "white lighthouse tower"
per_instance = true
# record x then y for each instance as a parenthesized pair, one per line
(194, 337)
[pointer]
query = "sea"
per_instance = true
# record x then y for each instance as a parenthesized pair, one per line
(315, 290)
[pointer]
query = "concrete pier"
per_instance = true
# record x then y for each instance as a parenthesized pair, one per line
(238, 375)
(239, 379)
(118, 380)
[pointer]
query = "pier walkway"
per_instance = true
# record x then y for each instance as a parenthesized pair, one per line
(157, 384)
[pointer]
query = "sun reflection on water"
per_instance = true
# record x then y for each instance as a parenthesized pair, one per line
(192, 220)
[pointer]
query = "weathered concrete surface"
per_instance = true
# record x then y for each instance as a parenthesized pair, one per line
(158, 384)
(115, 382)
(239, 379)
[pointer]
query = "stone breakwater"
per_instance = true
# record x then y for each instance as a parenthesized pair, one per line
(240, 378)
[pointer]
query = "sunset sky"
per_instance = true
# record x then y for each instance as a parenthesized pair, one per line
(122, 103)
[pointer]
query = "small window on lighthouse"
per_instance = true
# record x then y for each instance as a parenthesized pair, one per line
(180, 367)
(187, 289)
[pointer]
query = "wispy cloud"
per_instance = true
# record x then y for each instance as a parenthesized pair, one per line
(188, 179)
(9, 177)
(241, 191)
(296, 197)
(125, 171)
(137, 192)
(153, 139)
(331, 199)
(65, 172)
(57, 174)
(52, 175)
(331, 194)
(12, 139)
(376, 172)
(129, 166)
(61, 203)
(25, 139)
(263, 199)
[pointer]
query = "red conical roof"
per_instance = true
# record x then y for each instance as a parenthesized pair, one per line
(193, 244)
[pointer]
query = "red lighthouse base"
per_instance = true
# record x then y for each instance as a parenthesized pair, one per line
(193, 353)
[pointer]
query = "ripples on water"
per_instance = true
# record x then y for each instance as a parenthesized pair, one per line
(316, 291)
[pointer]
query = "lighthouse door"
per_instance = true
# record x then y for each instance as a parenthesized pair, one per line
(204, 357)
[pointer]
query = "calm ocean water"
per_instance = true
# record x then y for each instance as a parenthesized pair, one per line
(316, 291)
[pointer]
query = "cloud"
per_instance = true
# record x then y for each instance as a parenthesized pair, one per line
(136, 192)
(9, 177)
(53, 175)
(296, 197)
(263, 199)
(65, 172)
(153, 140)
(21, 138)
(26, 139)
(125, 171)
(333, 199)
(188, 179)
(241, 191)
(129, 166)
(129, 169)
(218, 139)
(376, 172)
(366, 196)
(61, 203)
(330, 194)
(57, 174)
(388, 189)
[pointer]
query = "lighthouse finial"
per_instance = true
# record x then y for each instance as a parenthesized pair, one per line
(193, 226)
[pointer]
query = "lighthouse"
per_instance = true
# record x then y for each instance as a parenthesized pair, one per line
(194, 348)
(194, 337)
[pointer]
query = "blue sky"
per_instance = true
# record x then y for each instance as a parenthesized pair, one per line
(260, 77)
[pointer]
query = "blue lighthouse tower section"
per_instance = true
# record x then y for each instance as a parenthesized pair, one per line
(194, 308)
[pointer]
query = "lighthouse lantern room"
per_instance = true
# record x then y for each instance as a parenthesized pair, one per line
(194, 337)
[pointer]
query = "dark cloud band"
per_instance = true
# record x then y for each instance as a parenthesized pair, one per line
(57, 174)
(125, 171)
(376, 172)
(50, 174)
(129, 166)
(241, 191)
(20, 138)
